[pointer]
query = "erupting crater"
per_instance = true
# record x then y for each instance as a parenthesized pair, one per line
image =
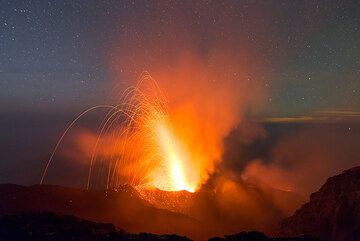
(138, 144)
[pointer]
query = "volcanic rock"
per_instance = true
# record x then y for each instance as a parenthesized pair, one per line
(122, 207)
(230, 206)
(258, 236)
(51, 227)
(206, 213)
(333, 212)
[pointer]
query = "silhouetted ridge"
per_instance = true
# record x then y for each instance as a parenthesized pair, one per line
(51, 227)
(123, 207)
(333, 212)
(258, 236)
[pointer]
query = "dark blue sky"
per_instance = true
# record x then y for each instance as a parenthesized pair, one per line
(55, 55)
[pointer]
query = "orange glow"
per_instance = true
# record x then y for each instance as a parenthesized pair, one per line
(137, 144)
(167, 161)
(170, 141)
(176, 178)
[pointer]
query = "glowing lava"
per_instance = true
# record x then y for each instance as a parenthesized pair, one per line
(173, 161)
(136, 144)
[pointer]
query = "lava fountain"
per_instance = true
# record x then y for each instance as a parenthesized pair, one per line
(136, 144)
(174, 162)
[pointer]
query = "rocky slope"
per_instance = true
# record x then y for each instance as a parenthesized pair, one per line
(333, 212)
(258, 236)
(52, 227)
(230, 206)
(123, 208)
(206, 213)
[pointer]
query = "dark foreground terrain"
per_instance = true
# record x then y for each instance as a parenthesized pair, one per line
(333, 212)
(48, 226)
(199, 215)
(51, 227)
(124, 207)
(50, 213)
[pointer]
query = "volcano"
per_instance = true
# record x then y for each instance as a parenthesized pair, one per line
(198, 215)
(332, 213)
(227, 210)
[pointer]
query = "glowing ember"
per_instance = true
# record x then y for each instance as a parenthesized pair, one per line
(138, 143)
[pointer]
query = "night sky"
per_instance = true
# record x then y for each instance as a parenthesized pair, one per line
(56, 55)
(58, 58)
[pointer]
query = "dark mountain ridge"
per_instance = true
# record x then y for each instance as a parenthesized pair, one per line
(333, 212)
(52, 227)
(197, 215)
(122, 207)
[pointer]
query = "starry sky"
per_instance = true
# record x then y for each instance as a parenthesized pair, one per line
(57, 55)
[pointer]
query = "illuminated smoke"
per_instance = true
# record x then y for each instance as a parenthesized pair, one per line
(137, 144)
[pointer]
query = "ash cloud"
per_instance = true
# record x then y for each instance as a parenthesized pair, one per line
(295, 157)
